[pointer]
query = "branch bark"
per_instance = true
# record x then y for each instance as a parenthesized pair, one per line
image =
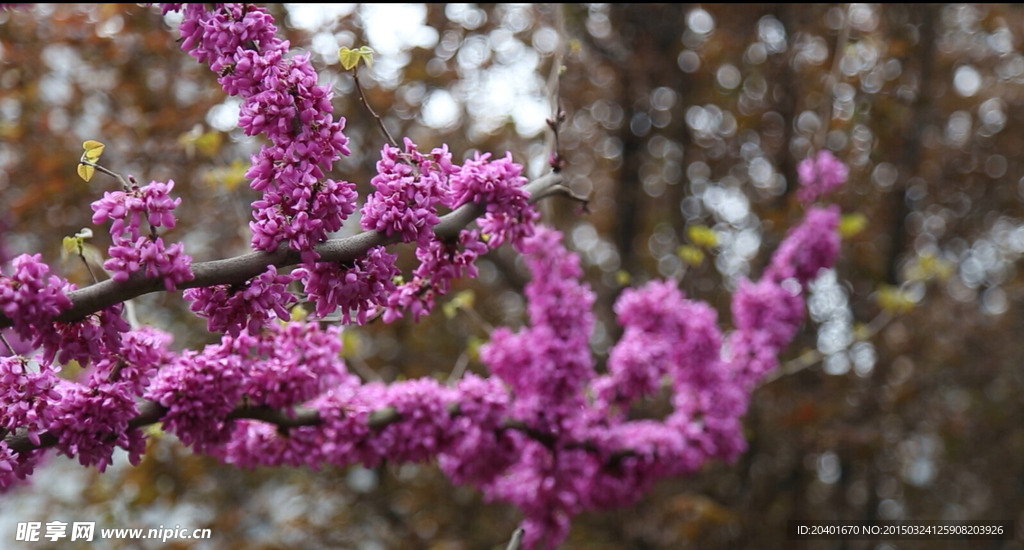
(239, 269)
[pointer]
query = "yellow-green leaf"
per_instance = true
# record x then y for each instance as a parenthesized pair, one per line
(228, 177)
(462, 300)
(298, 313)
(76, 243)
(93, 150)
(473, 345)
(350, 58)
(86, 172)
(70, 246)
(702, 236)
(207, 143)
(893, 299)
(691, 255)
(350, 344)
(852, 224)
(929, 266)
(622, 277)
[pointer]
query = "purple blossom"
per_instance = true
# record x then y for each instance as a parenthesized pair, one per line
(15, 467)
(250, 306)
(25, 397)
(357, 290)
(409, 186)
(30, 297)
(141, 354)
(424, 424)
(131, 249)
(441, 262)
(548, 363)
(94, 337)
(498, 184)
(282, 100)
(820, 174)
(289, 364)
(480, 450)
(90, 421)
(199, 390)
(557, 299)
(546, 432)
(769, 307)
(807, 248)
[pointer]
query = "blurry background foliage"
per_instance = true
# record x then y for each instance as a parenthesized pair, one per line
(684, 126)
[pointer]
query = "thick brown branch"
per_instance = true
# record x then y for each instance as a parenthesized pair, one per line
(239, 269)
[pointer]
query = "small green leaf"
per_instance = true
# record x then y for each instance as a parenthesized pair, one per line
(464, 298)
(350, 58)
(86, 167)
(622, 277)
(350, 344)
(894, 299)
(70, 245)
(298, 313)
(227, 177)
(461, 300)
(926, 267)
(852, 224)
(473, 344)
(75, 244)
(702, 236)
(691, 255)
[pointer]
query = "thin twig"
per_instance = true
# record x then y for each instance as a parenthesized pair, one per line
(832, 80)
(115, 175)
(459, 369)
(516, 542)
(380, 122)
(362, 369)
(554, 81)
(478, 319)
(8, 345)
(81, 255)
(813, 357)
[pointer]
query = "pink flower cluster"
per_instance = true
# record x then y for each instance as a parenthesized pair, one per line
(578, 450)
(548, 432)
(664, 335)
(440, 262)
(808, 248)
(96, 336)
(289, 364)
(282, 100)
(499, 185)
(357, 290)
(31, 297)
(819, 174)
(25, 396)
(89, 419)
(547, 363)
(409, 186)
(232, 308)
(131, 250)
(768, 313)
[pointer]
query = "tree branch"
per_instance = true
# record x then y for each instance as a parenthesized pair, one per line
(239, 269)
